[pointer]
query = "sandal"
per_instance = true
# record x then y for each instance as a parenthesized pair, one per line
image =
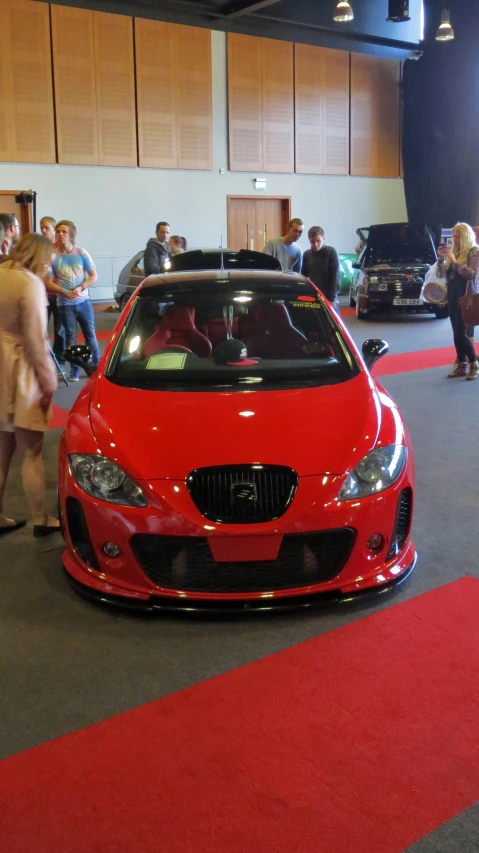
(8, 528)
(45, 529)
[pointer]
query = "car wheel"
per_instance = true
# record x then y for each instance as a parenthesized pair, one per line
(441, 313)
(361, 314)
(124, 300)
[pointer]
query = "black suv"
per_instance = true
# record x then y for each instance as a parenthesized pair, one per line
(389, 273)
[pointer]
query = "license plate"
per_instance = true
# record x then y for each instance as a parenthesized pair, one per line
(407, 301)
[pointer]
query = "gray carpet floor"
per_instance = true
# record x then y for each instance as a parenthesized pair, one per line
(65, 663)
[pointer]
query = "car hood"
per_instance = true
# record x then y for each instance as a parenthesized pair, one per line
(167, 434)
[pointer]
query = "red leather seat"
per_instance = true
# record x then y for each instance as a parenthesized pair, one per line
(215, 330)
(283, 339)
(177, 328)
(267, 332)
(253, 329)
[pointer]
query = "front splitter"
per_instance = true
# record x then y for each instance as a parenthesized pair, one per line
(158, 604)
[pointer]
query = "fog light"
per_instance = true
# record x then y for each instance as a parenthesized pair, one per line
(111, 549)
(376, 542)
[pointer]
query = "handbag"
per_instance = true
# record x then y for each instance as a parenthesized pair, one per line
(470, 307)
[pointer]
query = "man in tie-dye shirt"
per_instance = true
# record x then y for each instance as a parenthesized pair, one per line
(73, 271)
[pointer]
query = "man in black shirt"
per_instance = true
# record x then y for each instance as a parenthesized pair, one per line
(321, 265)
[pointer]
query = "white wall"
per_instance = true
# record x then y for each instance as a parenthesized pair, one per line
(115, 210)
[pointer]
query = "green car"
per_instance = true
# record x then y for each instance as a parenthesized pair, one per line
(346, 267)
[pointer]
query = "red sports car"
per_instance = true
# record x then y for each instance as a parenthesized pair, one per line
(233, 451)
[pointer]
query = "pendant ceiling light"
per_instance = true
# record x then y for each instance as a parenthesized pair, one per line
(398, 10)
(444, 31)
(343, 12)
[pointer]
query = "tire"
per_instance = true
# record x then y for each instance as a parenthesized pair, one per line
(352, 301)
(361, 315)
(441, 313)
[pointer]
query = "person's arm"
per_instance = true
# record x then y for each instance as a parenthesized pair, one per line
(298, 262)
(269, 248)
(90, 269)
(34, 325)
(52, 287)
(469, 270)
(90, 273)
(151, 261)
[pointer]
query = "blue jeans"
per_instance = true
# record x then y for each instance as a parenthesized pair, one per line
(58, 330)
(83, 315)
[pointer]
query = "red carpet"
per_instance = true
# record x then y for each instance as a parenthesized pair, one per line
(361, 740)
(404, 362)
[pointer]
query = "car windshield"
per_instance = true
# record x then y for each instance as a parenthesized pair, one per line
(399, 244)
(201, 335)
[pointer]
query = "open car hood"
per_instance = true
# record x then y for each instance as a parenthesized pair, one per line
(399, 244)
(167, 434)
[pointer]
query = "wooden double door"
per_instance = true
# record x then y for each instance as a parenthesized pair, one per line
(252, 221)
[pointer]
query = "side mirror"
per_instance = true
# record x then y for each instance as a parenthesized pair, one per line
(374, 349)
(356, 266)
(80, 356)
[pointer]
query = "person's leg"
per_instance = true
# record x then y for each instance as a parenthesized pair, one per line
(30, 446)
(68, 315)
(458, 329)
(7, 448)
(86, 321)
(464, 348)
(464, 345)
(58, 336)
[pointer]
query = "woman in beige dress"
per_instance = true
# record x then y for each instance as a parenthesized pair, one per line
(27, 376)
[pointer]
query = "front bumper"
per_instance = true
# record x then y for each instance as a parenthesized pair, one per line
(161, 604)
(382, 301)
(171, 513)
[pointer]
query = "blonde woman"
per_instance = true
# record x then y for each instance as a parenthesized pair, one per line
(462, 267)
(27, 376)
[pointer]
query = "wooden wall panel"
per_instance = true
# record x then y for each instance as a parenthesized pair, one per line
(75, 88)
(193, 85)
(155, 80)
(115, 89)
(26, 96)
(260, 104)
(174, 93)
(278, 105)
(321, 110)
(374, 116)
(245, 103)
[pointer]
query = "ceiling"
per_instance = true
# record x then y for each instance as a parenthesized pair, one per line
(304, 21)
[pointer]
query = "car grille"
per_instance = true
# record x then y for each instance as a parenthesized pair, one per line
(186, 563)
(243, 494)
(79, 535)
(401, 287)
(402, 524)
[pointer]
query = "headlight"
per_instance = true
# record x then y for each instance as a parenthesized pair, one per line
(376, 472)
(376, 282)
(101, 478)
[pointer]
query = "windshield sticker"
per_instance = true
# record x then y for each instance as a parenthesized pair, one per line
(306, 299)
(167, 361)
(305, 304)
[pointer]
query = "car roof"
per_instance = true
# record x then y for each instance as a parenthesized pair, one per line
(230, 276)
